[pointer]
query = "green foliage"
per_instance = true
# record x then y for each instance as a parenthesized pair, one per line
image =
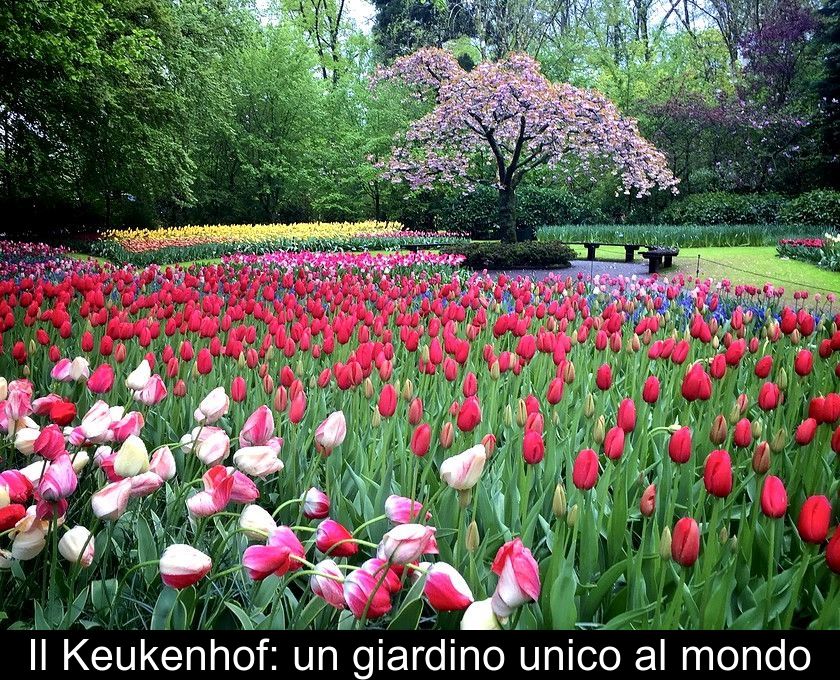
(720, 207)
(819, 207)
(683, 235)
(522, 255)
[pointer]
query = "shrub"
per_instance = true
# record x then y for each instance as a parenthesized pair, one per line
(721, 207)
(818, 207)
(521, 255)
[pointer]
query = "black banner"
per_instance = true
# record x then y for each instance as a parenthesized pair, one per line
(365, 655)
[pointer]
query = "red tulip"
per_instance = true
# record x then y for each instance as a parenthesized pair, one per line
(763, 367)
(814, 518)
(650, 392)
(333, 539)
(11, 515)
(696, 384)
(717, 473)
(469, 415)
(648, 503)
(774, 498)
(533, 447)
(803, 363)
(387, 401)
(204, 362)
(679, 445)
(627, 415)
(366, 593)
(614, 443)
(743, 433)
(182, 566)
(237, 389)
(555, 391)
(832, 552)
(519, 578)
(768, 396)
(806, 431)
(585, 471)
(685, 542)
(316, 504)
(421, 439)
(603, 377)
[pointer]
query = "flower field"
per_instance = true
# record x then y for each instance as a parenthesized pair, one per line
(323, 440)
(181, 244)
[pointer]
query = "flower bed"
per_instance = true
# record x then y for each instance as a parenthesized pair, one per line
(291, 442)
(180, 244)
(824, 252)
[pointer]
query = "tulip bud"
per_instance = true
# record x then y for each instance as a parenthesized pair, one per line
(447, 435)
(761, 458)
(782, 381)
(599, 432)
(368, 387)
(572, 517)
(665, 544)
(779, 440)
(718, 432)
(508, 415)
(589, 406)
(473, 539)
(723, 535)
(757, 428)
(495, 371)
(647, 505)
(558, 502)
(407, 390)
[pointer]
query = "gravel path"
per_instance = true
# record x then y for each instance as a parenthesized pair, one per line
(583, 266)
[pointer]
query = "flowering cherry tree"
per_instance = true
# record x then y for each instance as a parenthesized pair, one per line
(500, 120)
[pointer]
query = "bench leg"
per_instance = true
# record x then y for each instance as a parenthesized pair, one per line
(653, 265)
(668, 260)
(629, 252)
(590, 253)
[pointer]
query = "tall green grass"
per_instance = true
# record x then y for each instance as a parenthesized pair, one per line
(681, 235)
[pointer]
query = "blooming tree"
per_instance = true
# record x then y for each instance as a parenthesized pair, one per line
(500, 120)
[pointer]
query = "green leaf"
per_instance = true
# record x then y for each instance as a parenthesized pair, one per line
(147, 550)
(408, 617)
(164, 606)
(244, 620)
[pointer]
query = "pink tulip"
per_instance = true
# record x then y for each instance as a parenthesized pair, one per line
(110, 502)
(331, 432)
(401, 510)
(519, 578)
(316, 504)
(212, 407)
(49, 443)
(258, 461)
(328, 583)
(163, 463)
(463, 471)
(278, 556)
(258, 430)
(129, 425)
(364, 597)
(445, 588)
(101, 380)
(59, 481)
(405, 543)
(145, 484)
(216, 495)
(61, 371)
(334, 539)
(153, 393)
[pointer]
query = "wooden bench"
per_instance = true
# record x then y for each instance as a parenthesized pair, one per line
(658, 257)
(414, 247)
(629, 249)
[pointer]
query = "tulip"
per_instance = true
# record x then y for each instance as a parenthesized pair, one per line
(132, 458)
(469, 415)
(774, 498)
(585, 472)
(334, 539)
(421, 439)
(761, 458)
(445, 588)
(163, 463)
(650, 391)
(717, 473)
(480, 616)
(401, 510)
(365, 595)
(61, 371)
(743, 435)
(59, 480)
(256, 522)
(25, 439)
(213, 447)
(331, 432)
(379, 568)
(212, 407)
(28, 544)
(258, 430)
(327, 582)
(101, 380)
(405, 543)
(679, 445)
(696, 384)
(614, 442)
(17, 485)
(805, 432)
(519, 578)
(814, 518)
(11, 515)
(77, 546)
(62, 413)
(804, 363)
(237, 389)
(462, 471)
(145, 484)
(280, 555)
(648, 503)
(626, 417)
(316, 504)
(685, 542)
(769, 396)
(718, 431)
(832, 552)
(182, 566)
(533, 447)
(603, 377)
(257, 461)
(153, 393)
(110, 502)
(387, 401)
(138, 378)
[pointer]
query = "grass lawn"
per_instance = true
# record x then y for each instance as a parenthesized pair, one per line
(755, 265)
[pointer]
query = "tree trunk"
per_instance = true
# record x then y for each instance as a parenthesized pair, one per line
(507, 214)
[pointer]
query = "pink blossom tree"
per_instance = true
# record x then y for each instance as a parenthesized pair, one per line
(499, 121)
